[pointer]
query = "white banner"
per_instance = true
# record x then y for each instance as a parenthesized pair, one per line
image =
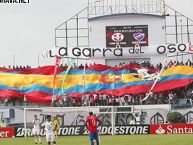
(137, 51)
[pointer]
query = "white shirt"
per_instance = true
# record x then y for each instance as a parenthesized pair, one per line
(170, 96)
(104, 97)
(95, 96)
(129, 98)
(122, 99)
(110, 100)
(36, 123)
(49, 126)
(64, 98)
(117, 99)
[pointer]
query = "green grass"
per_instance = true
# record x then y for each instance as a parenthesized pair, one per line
(111, 140)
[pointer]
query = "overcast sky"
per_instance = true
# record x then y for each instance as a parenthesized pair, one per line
(28, 29)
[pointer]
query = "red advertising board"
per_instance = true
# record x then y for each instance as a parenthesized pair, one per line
(171, 129)
(7, 132)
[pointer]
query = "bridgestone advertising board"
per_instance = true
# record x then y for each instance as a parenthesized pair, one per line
(81, 130)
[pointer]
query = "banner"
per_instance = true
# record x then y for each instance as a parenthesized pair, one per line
(7, 132)
(81, 130)
(171, 129)
(120, 52)
(126, 36)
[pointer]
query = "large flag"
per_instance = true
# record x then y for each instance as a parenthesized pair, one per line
(37, 84)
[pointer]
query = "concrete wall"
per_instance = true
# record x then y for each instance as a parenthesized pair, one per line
(76, 116)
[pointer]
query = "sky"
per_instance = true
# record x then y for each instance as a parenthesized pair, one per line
(27, 30)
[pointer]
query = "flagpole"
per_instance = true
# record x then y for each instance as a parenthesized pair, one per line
(70, 62)
(84, 84)
(152, 87)
(58, 59)
(155, 82)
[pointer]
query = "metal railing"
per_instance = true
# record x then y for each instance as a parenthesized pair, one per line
(107, 7)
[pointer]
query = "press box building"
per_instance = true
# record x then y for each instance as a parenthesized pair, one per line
(129, 25)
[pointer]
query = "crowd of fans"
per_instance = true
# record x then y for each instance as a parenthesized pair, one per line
(103, 99)
(169, 97)
(18, 67)
(14, 102)
(145, 64)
